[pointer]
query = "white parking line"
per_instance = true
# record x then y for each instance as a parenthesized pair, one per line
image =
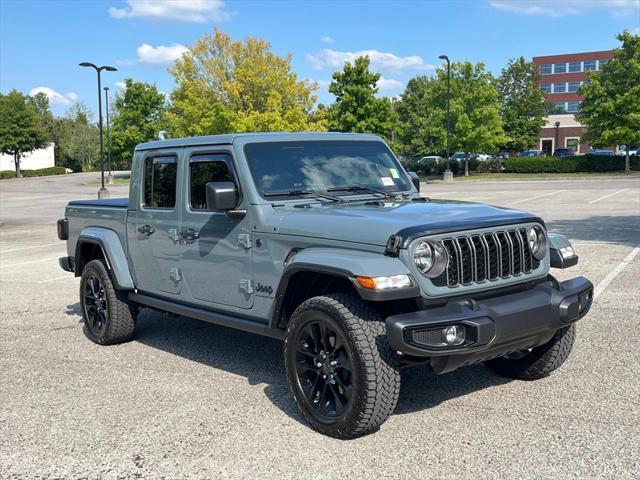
(607, 196)
(56, 278)
(534, 198)
(614, 273)
(31, 261)
(32, 247)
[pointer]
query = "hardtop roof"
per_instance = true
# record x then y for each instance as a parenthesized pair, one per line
(228, 139)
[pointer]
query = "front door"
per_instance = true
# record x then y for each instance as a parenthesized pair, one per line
(153, 227)
(216, 260)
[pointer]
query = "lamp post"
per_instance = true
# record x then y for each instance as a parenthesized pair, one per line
(448, 175)
(103, 192)
(556, 135)
(106, 104)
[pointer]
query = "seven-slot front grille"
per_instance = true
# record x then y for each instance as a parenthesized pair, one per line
(487, 256)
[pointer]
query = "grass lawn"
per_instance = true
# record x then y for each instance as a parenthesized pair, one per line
(492, 177)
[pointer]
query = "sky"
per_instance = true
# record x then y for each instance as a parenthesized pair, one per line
(42, 42)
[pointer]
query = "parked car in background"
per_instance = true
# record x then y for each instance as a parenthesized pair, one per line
(529, 153)
(563, 152)
(600, 152)
(459, 156)
(633, 151)
(504, 154)
(483, 157)
(430, 158)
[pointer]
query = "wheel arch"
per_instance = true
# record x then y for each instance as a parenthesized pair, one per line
(94, 243)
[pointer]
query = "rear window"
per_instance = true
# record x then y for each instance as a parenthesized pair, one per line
(160, 175)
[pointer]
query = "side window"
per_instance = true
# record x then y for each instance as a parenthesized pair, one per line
(202, 170)
(160, 175)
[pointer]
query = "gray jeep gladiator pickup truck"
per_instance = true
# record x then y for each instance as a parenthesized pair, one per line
(323, 240)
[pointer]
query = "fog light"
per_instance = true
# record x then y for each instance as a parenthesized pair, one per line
(453, 335)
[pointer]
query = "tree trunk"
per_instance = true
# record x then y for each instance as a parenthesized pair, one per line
(627, 162)
(16, 160)
(466, 164)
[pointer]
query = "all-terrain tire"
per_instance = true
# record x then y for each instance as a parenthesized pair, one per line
(120, 314)
(375, 377)
(541, 361)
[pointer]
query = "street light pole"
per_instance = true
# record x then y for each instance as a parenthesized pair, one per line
(103, 192)
(106, 104)
(448, 175)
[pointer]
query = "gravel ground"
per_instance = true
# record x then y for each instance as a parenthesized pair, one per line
(187, 399)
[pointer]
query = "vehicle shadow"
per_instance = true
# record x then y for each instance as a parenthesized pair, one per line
(260, 360)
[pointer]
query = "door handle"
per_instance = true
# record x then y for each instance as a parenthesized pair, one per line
(190, 235)
(146, 230)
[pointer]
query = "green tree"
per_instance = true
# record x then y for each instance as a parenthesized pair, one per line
(423, 127)
(611, 105)
(356, 108)
(228, 86)
(20, 127)
(476, 125)
(138, 116)
(522, 104)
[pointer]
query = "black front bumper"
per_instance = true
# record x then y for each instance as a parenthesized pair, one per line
(493, 326)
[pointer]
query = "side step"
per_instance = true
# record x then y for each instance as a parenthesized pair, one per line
(208, 315)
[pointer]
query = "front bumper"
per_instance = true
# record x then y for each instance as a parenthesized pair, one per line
(493, 326)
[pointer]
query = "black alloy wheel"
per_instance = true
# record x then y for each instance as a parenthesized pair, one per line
(96, 307)
(324, 369)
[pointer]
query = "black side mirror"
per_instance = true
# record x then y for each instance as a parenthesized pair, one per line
(221, 196)
(415, 179)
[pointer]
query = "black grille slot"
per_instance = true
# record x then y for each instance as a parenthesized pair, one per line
(489, 256)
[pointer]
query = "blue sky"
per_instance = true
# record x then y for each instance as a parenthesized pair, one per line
(42, 42)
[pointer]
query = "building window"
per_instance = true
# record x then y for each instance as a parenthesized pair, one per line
(575, 66)
(573, 87)
(545, 87)
(602, 63)
(573, 107)
(589, 65)
(559, 87)
(546, 69)
(573, 144)
(560, 68)
(560, 107)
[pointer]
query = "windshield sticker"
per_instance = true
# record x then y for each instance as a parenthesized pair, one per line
(387, 181)
(394, 173)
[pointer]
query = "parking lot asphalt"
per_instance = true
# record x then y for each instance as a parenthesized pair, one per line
(187, 399)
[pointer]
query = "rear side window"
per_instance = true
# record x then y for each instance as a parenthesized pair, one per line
(160, 182)
(202, 170)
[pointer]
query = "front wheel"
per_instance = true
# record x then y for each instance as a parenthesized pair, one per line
(538, 362)
(341, 370)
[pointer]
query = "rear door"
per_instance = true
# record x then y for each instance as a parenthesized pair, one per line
(153, 227)
(217, 264)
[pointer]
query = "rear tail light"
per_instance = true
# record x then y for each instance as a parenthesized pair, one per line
(63, 229)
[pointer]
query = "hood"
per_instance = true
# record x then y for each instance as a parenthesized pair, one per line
(375, 223)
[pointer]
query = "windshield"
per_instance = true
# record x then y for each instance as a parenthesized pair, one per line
(281, 167)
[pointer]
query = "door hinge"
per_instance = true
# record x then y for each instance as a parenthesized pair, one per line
(244, 240)
(174, 274)
(246, 286)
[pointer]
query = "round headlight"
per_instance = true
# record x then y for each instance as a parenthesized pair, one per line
(423, 256)
(430, 258)
(537, 241)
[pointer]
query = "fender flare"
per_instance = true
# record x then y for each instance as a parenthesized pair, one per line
(113, 252)
(347, 264)
(558, 245)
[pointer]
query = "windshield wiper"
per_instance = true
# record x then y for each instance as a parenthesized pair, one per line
(355, 188)
(302, 192)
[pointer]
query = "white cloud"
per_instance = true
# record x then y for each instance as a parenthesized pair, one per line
(328, 58)
(636, 31)
(191, 11)
(556, 9)
(388, 84)
(326, 39)
(54, 97)
(121, 85)
(160, 55)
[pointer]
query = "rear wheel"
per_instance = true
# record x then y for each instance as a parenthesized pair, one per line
(340, 367)
(538, 362)
(107, 314)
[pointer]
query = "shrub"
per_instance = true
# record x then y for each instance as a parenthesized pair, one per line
(7, 174)
(493, 165)
(585, 163)
(41, 172)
